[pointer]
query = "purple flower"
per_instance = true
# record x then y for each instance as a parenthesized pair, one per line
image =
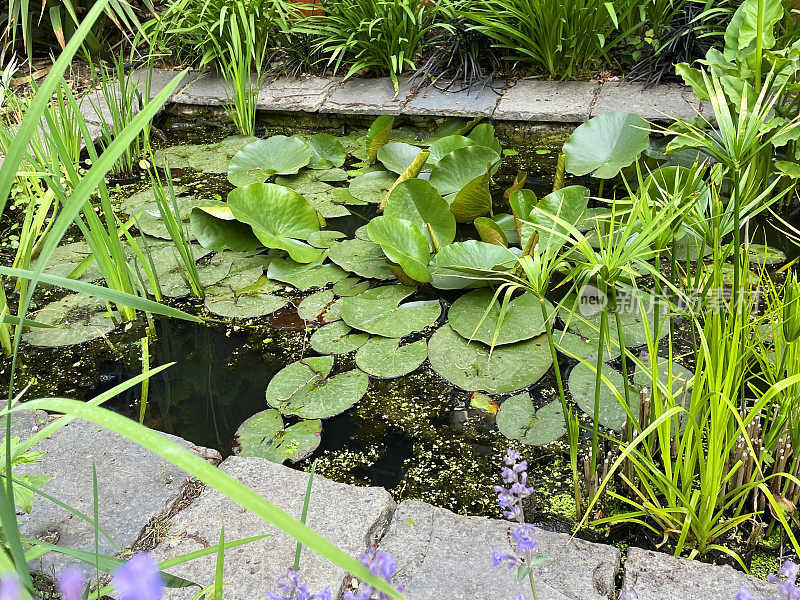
(502, 559)
(289, 588)
(523, 535)
(139, 579)
(629, 595)
(10, 587)
(516, 477)
(788, 587)
(71, 584)
(381, 564)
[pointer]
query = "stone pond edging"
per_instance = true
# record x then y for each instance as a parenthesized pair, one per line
(439, 554)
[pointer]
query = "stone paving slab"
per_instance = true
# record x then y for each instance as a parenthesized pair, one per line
(659, 576)
(348, 516)
(206, 90)
(301, 94)
(549, 101)
(368, 97)
(478, 100)
(444, 555)
(134, 485)
(660, 103)
(160, 79)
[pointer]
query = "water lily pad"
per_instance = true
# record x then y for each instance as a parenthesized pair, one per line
(337, 338)
(362, 257)
(177, 157)
(385, 358)
(508, 225)
(215, 158)
(765, 255)
(263, 435)
(147, 197)
(304, 183)
(517, 419)
(460, 167)
(681, 377)
(378, 311)
(148, 219)
(483, 135)
(256, 303)
(326, 151)
(397, 156)
(472, 258)
(259, 160)
(304, 389)
(216, 228)
(246, 269)
(468, 365)
(352, 286)
(325, 204)
(444, 146)
(281, 218)
(580, 348)
(333, 312)
(690, 245)
(522, 319)
(312, 306)
(76, 318)
(372, 187)
(305, 276)
(417, 201)
(171, 270)
(378, 135)
(472, 201)
(582, 381)
(490, 232)
(605, 144)
(325, 238)
(567, 204)
(403, 244)
(68, 257)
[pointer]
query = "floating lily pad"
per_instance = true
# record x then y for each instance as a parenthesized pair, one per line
(277, 155)
(521, 321)
(68, 257)
(147, 197)
(378, 311)
(362, 257)
(444, 146)
(333, 312)
(582, 381)
(765, 255)
(325, 205)
(263, 435)
(216, 228)
(404, 244)
(304, 389)
(579, 348)
(460, 167)
(304, 183)
(517, 419)
(417, 201)
(148, 219)
(691, 245)
(305, 276)
(605, 144)
(483, 135)
(372, 187)
(326, 151)
(248, 305)
(215, 158)
(385, 358)
(468, 366)
(312, 306)
(246, 269)
(76, 319)
(337, 338)
(177, 157)
(352, 286)
(398, 156)
(681, 377)
(473, 259)
(325, 238)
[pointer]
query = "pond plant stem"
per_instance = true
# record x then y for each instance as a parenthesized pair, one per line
(598, 382)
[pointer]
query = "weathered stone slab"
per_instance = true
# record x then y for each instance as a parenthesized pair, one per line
(444, 555)
(368, 97)
(659, 103)
(206, 90)
(159, 80)
(659, 576)
(477, 100)
(134, 485)
(547, 101)
(348, 516)
(300, 94)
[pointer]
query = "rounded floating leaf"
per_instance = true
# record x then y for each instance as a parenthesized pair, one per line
(606, 144)
(259, 160)
(312, 306)
(469, 366)
(403, 244)
(385, 358)
(681, 377)
(582, 381)
(304, 276)
(378, 311)
(263, 435)
(522, 320)
(461, 166)
(372, 187)
(362, 257)
(483, 135)
(397, 156)
(518, 420)
(325, 238)
(352, 286)
(304, 389)
(444, 146)
(76, 319)
(464, 264)
(244, 306)
(417, 201)
(578, 348)
(336, 338)
(765, 255)
(326, 151)
(216, 228)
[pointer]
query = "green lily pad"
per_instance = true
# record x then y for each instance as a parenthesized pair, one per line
(325, 204)
(304, 183)
(352, 286)
(397, 156)
(472, 201)
(378, 311)
(177, 157)
(568, 204)
(467, 364)
(333, 312)
(681, 377)
(372, 187)
(277, 155)
(490, 232)
(517, 419)
(325, 238)
(606, 144)
(244, 305)
(312, 306)
(460, 167)
(263, 435)
(403, 244)
(765, 255)
(281, 218)
(305, 276)
(76, 319)
(582, 381)
(444, 146)
(171, 270)
(483, 135)
(215, 158)
(246, 269)
(67, 257)
(417, 201)
(216, 228)
(378, 135)
(473, 259)
(148, 219)
(326, 151)
(579, 348)
(386, 359)
(362, 257)
(691, 245)
(522, 319)
(304, 389)
(337, 338)
(508, 225)
(147, 198)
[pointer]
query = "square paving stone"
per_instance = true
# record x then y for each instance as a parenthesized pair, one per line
(349, 516)
(368, 97)
(159, 80)
(444, 555)
(134, 485)
(659, 103)
(206, 90)
(300, 94)
(547, 101)
(475, 101)
(660, 576)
